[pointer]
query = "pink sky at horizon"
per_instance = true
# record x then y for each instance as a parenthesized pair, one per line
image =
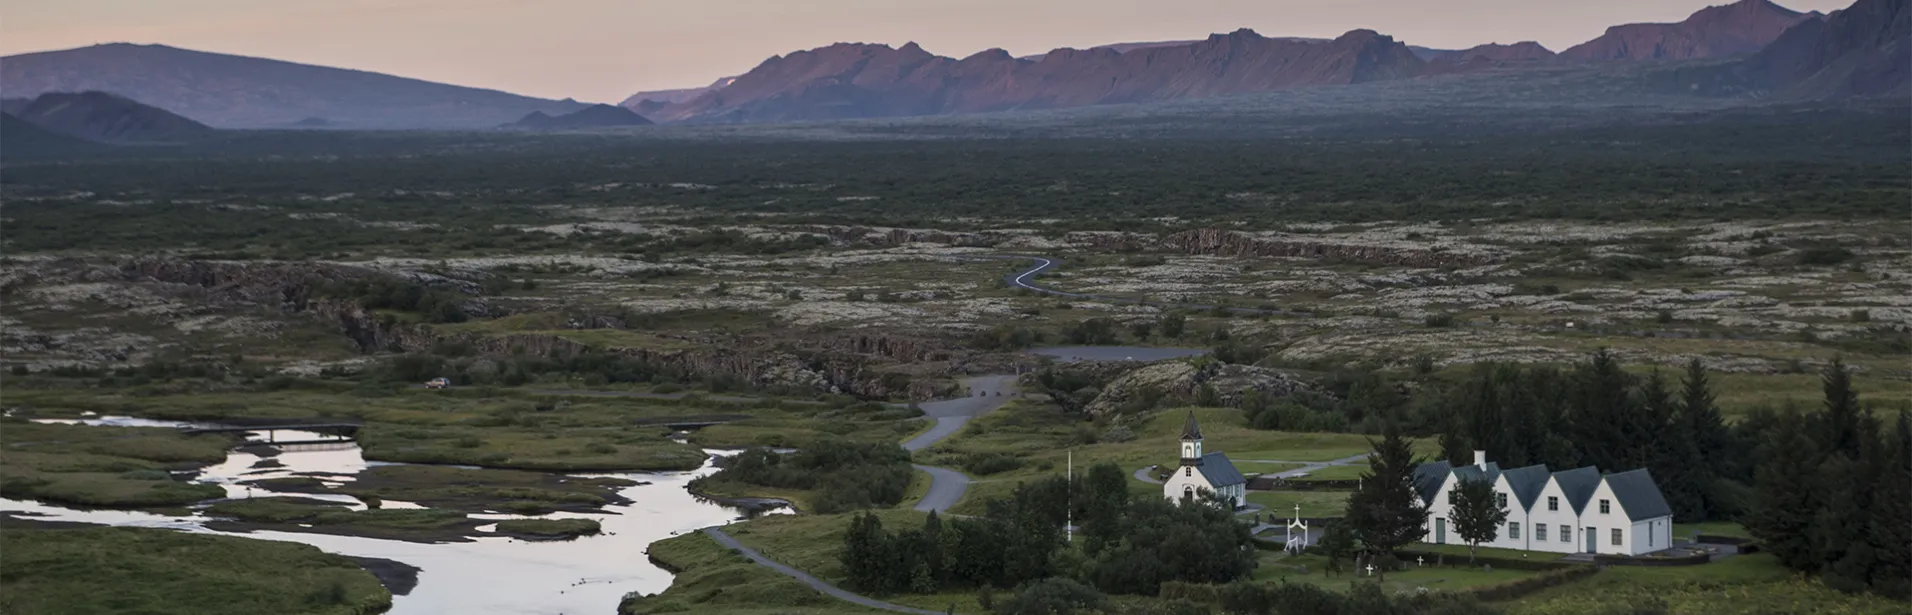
(611, 48)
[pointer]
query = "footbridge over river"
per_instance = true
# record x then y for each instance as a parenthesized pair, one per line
(301, 430)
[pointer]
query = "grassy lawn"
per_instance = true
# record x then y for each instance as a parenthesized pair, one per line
(1732, 586)
(1313, 503)
(711, 578)
(1351, 471)
(163, 572)
(1460, 551)
(811, 542)
(112, 467)
(1291, 568)
(1738, 393)
(1042, 437)
(1262, 467)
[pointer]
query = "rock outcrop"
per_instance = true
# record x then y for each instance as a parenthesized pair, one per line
(1719, 31)
(1181, 382)
(1219, 242)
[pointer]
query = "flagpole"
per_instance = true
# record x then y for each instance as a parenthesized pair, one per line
(1069, 525)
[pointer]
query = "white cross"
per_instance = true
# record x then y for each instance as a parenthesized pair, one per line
(1370, 569)
(1418, 561)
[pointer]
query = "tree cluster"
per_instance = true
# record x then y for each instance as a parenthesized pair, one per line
(846, 474)
(1834, 491)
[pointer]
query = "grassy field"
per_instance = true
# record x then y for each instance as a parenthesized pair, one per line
(1313, 503)
(293, 514)
(1351, 471)
(112, 467)
(1740, 584)
(111, 571)
(1313, 569)
(1042, 438)
(711, 578)
(811, 542)
(1710, 528)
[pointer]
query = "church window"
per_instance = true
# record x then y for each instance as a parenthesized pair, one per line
(1188, 471)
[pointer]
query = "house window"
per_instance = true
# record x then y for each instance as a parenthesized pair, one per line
(1450, 498)
(1540, 532)
(1616, 536)
(1553, 503)
(1566, 534)
(1502, 498)
(1513, 530)
(1605, 508)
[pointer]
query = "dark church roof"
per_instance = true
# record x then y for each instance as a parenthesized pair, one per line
(1219, 471)
(1191, 431)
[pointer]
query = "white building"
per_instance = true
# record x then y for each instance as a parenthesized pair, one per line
(1570, 511)
(1204, 473)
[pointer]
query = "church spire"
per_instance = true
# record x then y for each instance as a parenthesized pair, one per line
(1191, 442)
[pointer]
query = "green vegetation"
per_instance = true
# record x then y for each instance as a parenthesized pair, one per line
(549, 528)
(712, 578)
(471, 490)
(843, 474)
(112, 467)
(106, 571)
(1727, 587)
(294, 514)
(1314, 504)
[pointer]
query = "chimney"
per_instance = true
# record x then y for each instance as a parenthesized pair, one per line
(1480, 458)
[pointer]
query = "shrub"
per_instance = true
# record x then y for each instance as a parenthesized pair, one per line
(984, 464)
(1439, 320)
(1052, 596)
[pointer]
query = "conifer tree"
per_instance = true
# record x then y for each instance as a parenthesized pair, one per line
(1786, 502)
(1386, 513)
(1889, 530)
(1839, 426)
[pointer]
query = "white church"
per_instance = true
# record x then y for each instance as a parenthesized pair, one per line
(1204, 473)
(1570, 511)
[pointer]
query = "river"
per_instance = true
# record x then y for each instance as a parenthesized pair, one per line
(500, 575)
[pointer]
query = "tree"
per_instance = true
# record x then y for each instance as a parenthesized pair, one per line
(1477, 514)
(1839, 426)
(866, 552)
(1890, 530)
(1786, 502)
(1386, 513)
(1336, 542)
(1704, 446)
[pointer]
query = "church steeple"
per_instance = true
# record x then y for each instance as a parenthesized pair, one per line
(1191, 442)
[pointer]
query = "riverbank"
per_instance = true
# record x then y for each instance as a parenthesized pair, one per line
(164, 572)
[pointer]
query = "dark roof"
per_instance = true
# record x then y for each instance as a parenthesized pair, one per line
(1191, 431)
(1470, 472)
(1429, 476)
(1219, 471)
(1527, 483)
(1578, 485)
(1638, 494)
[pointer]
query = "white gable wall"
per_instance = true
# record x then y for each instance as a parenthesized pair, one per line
(1605, 523)
(1557, 521)
(1515, 515)
(1437, 511)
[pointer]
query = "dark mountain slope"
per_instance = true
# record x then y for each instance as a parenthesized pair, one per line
(1859, 52)
(22, 139)
(594, 116)
(1719, 31)
(103, 117)
(243, 92)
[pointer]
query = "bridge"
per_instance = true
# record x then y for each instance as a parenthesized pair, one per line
(340, 430)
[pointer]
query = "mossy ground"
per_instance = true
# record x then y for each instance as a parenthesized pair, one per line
(111, 571)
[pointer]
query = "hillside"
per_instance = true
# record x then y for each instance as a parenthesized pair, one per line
(22, 139)
(232, 91)
(1719, 31)
(1524, 51)
(594, 116)
(1859, 52)
(103, 117)
(849, 80)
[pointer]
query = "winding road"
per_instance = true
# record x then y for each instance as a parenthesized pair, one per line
(946, 486)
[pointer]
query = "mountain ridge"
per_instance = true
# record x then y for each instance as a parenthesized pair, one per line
(104, 118)
(234, 91)
(1739, 28)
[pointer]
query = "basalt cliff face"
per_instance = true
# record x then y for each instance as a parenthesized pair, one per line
(850, 80)
(1720, 31)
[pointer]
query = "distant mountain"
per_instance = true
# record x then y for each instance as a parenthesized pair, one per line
(23, 139)
(1127, 47)
(849, 80)
(1862, 51)
(594, 116)
(243, 92)
(106, 118)
(1719, 31)
(673, 96)
(1524, 51)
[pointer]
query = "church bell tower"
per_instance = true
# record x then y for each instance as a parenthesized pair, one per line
(1191, 442)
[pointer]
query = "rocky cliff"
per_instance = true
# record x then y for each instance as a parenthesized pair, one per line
(1180, 383)
(1719, 31)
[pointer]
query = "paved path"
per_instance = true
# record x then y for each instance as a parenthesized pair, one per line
(815, 583)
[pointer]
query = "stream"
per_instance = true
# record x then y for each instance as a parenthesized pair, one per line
(489, 575)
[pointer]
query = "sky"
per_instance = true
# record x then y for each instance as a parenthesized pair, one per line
(605, 50)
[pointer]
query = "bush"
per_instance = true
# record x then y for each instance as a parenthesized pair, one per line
(1823, 255)
(1052, 596)
(1517, 588)
(1439, 320)
(985, 464)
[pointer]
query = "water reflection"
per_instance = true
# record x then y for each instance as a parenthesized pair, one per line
(490, 575)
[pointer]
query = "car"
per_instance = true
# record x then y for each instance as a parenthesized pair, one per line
(437, 383)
